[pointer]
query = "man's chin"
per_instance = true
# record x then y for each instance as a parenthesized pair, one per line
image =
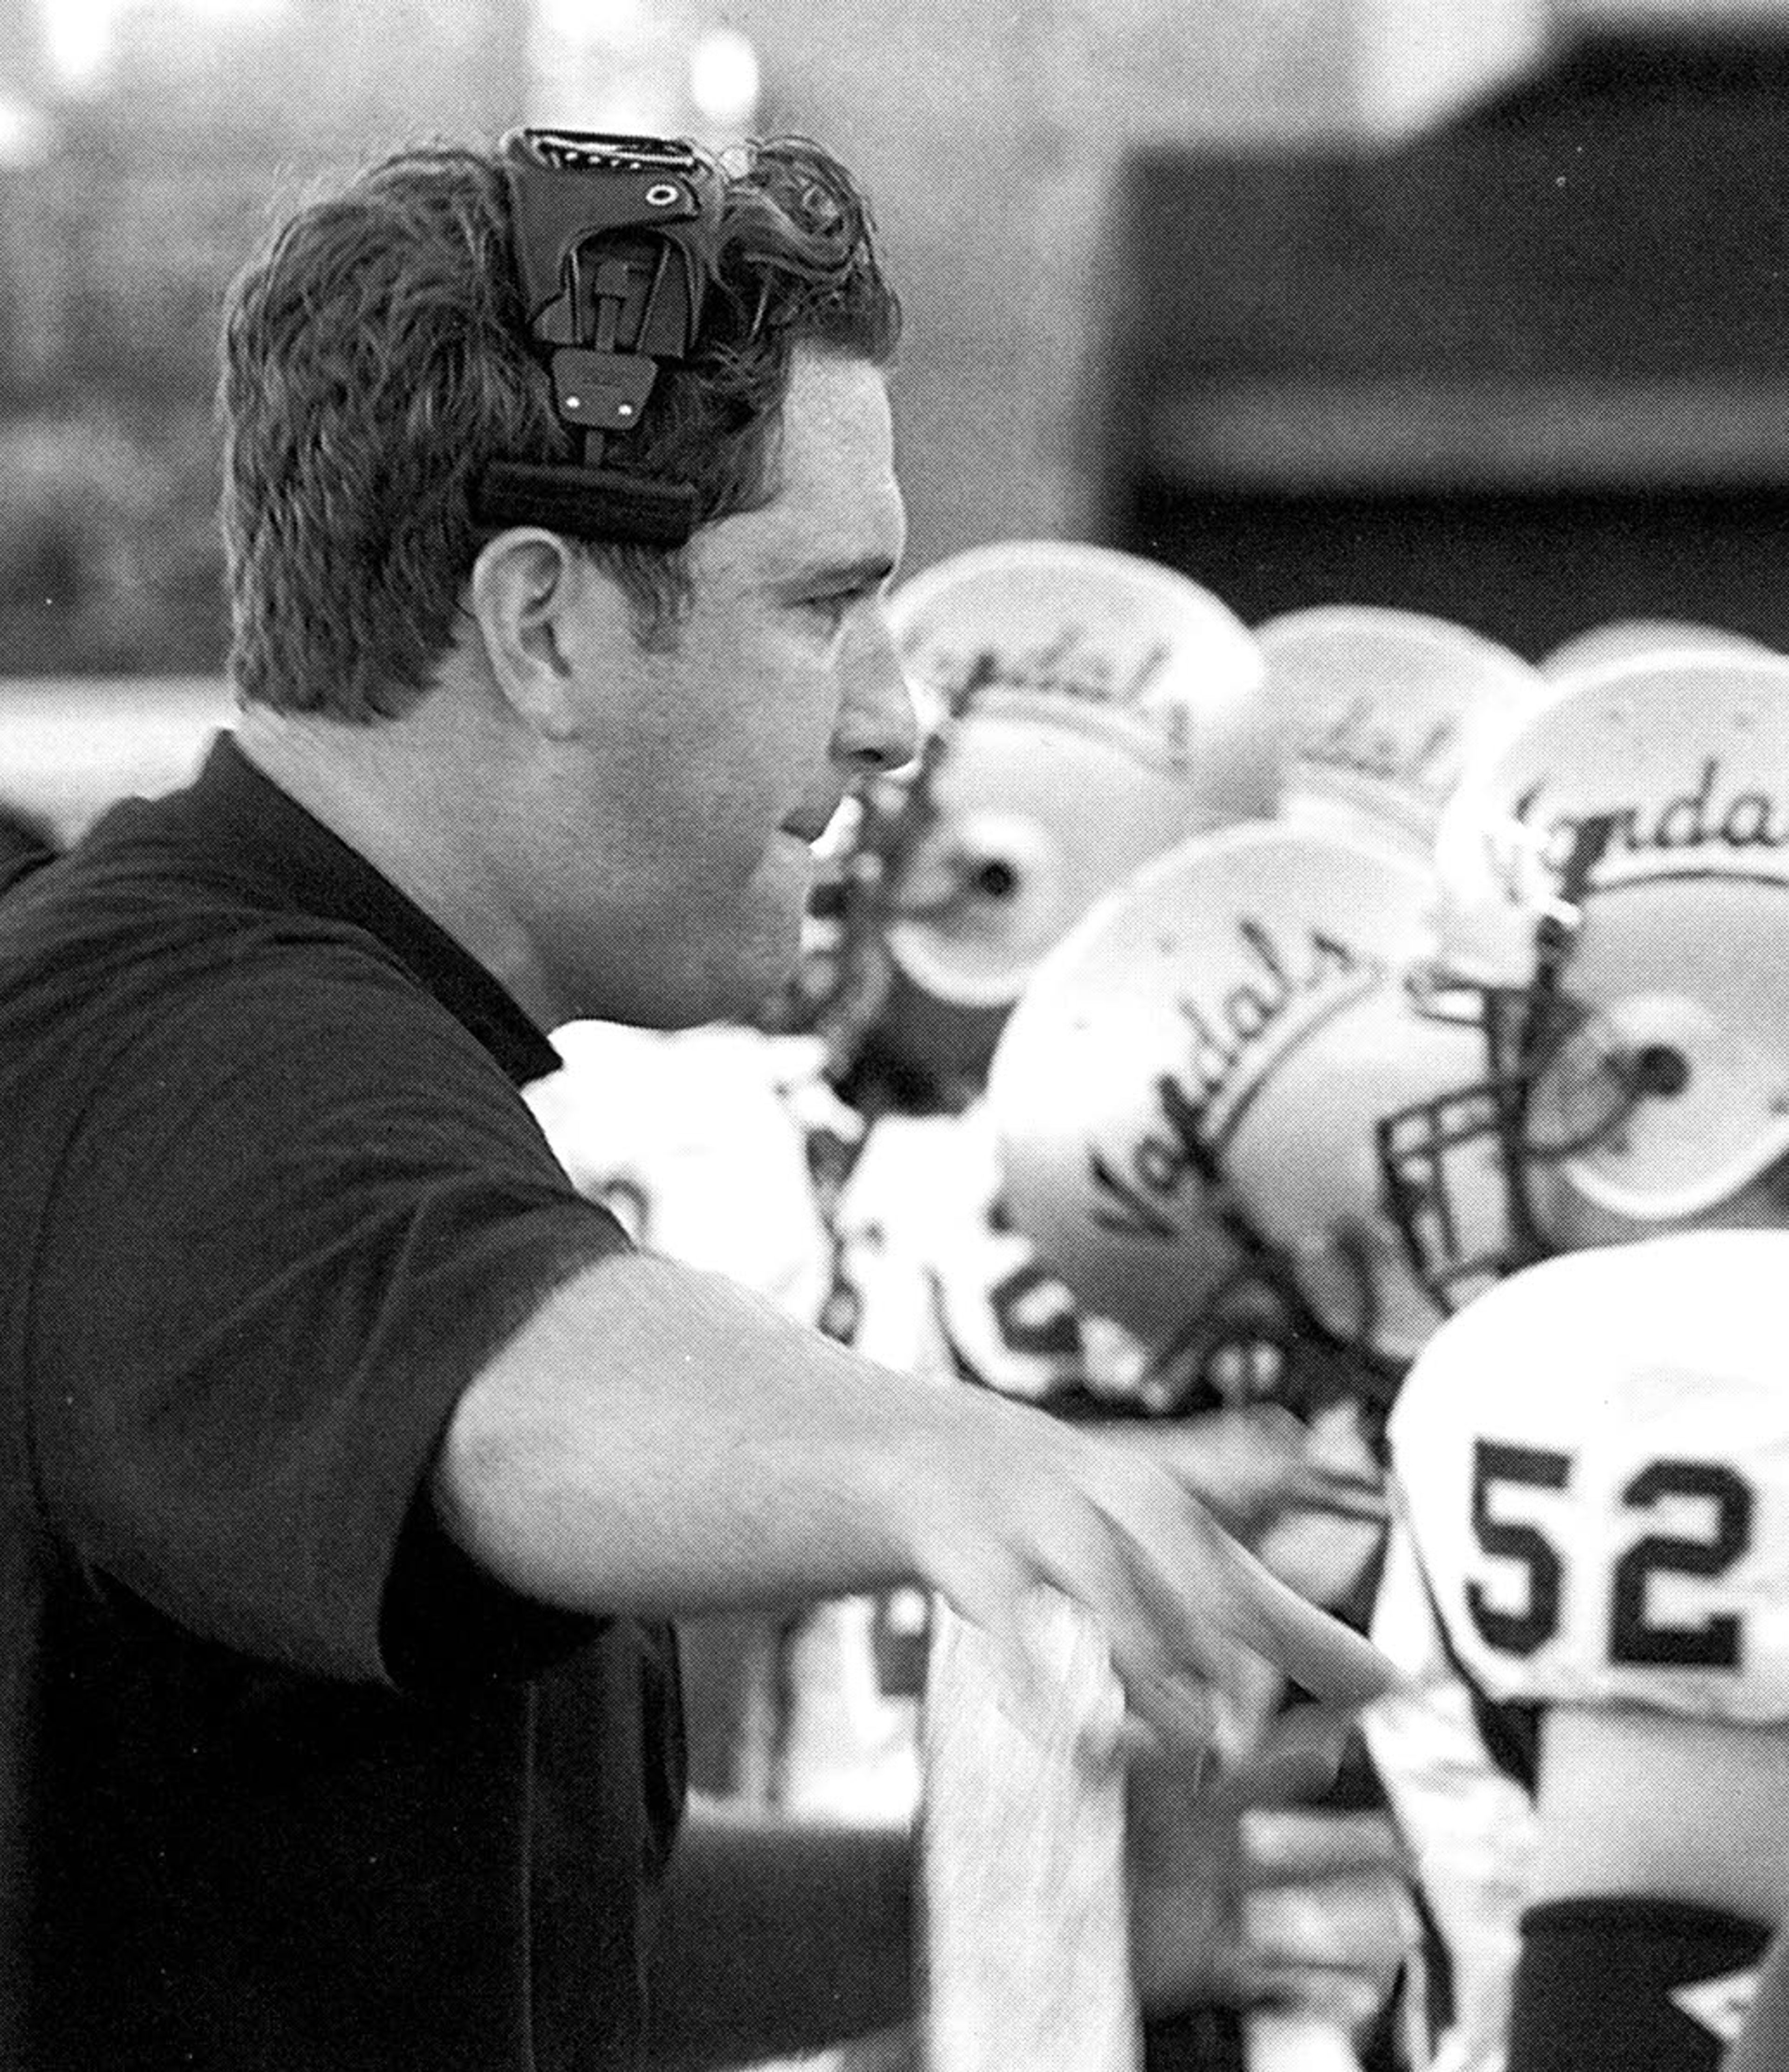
(749, 974)
(761, 995)
(684, 971)
(756, 965)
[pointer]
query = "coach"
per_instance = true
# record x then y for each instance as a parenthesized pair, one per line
(355, 1464)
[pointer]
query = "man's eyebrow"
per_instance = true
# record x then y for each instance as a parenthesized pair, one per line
(819, 578)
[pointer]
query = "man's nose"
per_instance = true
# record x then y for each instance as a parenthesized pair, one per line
(878, 729)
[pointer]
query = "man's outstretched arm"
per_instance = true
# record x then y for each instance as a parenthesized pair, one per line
(655, 1441)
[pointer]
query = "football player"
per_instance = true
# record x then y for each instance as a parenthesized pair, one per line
(1384, 708)
(1378, 710)
(1092, 710)
(1184, 1098)
(1085, 709)
(1593, 1455)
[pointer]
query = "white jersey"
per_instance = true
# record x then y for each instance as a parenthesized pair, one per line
(692, 1137)
(943, 1292)
(1469, 1829)
(949, 1289)
(1594, 1463)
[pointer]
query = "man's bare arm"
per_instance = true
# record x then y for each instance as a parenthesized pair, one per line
(655, 1439)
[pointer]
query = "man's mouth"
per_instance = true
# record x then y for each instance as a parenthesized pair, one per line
(808, 824)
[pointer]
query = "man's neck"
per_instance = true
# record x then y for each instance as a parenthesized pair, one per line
(391, 796)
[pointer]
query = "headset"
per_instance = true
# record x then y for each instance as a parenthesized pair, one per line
(613, 236)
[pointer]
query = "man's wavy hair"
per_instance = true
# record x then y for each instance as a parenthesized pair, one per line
(375, 357)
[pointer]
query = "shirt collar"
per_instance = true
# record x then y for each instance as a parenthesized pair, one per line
(264, 839)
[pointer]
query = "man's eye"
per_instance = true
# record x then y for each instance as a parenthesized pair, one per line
(832, 609)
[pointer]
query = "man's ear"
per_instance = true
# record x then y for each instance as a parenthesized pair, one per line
(540, 605)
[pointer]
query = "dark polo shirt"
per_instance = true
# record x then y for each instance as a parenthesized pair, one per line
(285, 1783)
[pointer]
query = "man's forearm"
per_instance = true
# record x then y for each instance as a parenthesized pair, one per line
(779, 1937)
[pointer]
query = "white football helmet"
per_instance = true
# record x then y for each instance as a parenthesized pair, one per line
(1380, 709)
(1082, 709)
(1095, 708)
(1186, 1095)
(1624, 640)
(1615, 919)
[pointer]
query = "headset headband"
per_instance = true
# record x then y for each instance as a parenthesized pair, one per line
(612, 237)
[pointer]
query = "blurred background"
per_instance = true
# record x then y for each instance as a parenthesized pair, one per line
(1475, 307)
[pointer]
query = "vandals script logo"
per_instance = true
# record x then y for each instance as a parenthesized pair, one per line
(1287, 987)
(1364, 740)
(1714, 826)
(1077, 663)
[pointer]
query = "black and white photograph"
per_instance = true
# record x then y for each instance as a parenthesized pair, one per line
(894, 1047)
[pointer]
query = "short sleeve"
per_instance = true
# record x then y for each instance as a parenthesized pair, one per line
(298, 1216)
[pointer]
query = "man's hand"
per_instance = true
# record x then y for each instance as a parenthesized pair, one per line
(1331, 1914)
(1113, 1520)
(1229, 1885)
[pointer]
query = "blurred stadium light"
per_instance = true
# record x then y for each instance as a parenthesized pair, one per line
(725, 83)
(80, 36)
(77, 38)
(663, 67)
(26, 133)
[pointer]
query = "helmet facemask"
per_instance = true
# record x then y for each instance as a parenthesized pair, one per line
(1613, 920)
(1551, 1091)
